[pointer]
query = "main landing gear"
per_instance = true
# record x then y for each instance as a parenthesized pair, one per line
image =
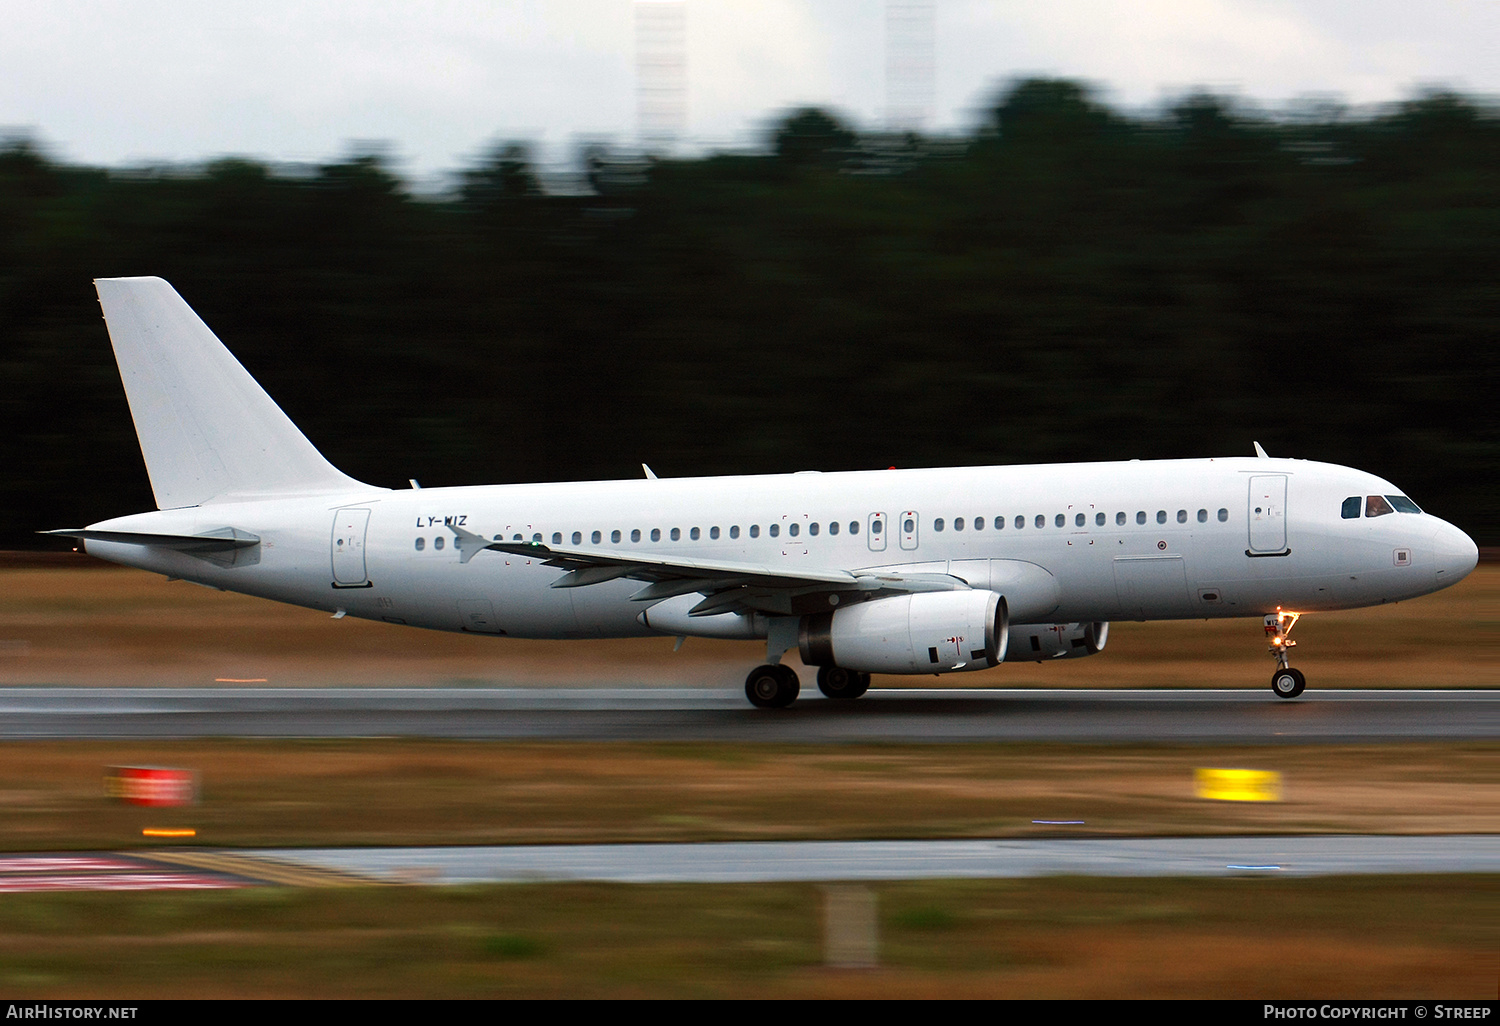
(1286, 682)
(772, 686)
(839, 683)
(776, 686)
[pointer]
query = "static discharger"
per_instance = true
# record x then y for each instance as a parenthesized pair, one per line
(168, 832)
(1238, 785)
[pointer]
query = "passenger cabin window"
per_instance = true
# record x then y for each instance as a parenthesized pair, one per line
(958, 523)
(596, 537)
(1376, 506)
(677, 534)
(656, 534)
(1223, 516)
(1078, 520)
(437, 542)
(695, 534)
(1182, 516)
(1161, 516)
(755, 530)
(1020, 522)
(1350, 510)
(793, 528)
(421, 544)
(577, 537)
(774, 530)
(1203, 516)
(713, 533)
(1041, 521)
(1098, 519)
(1120, 518)
(734, 532)
(614, 536)
(937, 525)
(833, 527)
(812, 528)
(979, 523)
(854, 527)
(1140, 516)
(635, 534)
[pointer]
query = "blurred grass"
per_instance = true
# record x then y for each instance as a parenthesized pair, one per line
(417, 792)
(1358, 937)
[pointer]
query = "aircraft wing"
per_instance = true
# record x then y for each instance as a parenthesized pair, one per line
(727, 587)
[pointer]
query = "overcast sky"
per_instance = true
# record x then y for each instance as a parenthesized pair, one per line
(441, 82)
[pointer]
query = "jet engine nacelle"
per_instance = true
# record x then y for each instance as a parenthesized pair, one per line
(928, 632)
(1035, 642)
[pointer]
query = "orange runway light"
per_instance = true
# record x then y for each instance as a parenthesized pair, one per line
(165, 832)
(239, 680)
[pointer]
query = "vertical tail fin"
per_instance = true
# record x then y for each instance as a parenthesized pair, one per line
(207, 429)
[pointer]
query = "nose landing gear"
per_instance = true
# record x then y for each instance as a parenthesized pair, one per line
(1285, 682)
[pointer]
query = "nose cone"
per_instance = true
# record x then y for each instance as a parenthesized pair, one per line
(1454, 554)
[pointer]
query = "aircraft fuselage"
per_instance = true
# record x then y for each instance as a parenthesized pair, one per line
(1199, 539)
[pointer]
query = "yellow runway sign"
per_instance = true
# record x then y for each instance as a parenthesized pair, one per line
(1238, 785)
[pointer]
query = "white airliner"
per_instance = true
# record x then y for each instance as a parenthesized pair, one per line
(893, 571)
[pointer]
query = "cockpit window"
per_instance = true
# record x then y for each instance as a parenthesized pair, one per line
(1403, 504)
(1351, 508)
(1376, 506)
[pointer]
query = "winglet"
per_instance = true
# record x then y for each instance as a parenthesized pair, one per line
(1261, 452)
(650, 474)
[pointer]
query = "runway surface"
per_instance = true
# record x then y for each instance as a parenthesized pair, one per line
(749, 862)
(692, 714)
(908, 860)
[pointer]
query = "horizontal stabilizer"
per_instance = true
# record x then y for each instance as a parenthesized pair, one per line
(225, 546)
(219, 539)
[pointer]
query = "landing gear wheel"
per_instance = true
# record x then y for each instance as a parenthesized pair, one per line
(1288, 683)
(772, 686)
(839, 683)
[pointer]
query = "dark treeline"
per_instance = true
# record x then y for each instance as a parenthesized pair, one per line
(1069, 283)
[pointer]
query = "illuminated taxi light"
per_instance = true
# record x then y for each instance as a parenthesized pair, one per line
(1237, 785)
(165, 832)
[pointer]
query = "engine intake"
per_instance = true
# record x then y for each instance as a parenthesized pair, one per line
(927, 632)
